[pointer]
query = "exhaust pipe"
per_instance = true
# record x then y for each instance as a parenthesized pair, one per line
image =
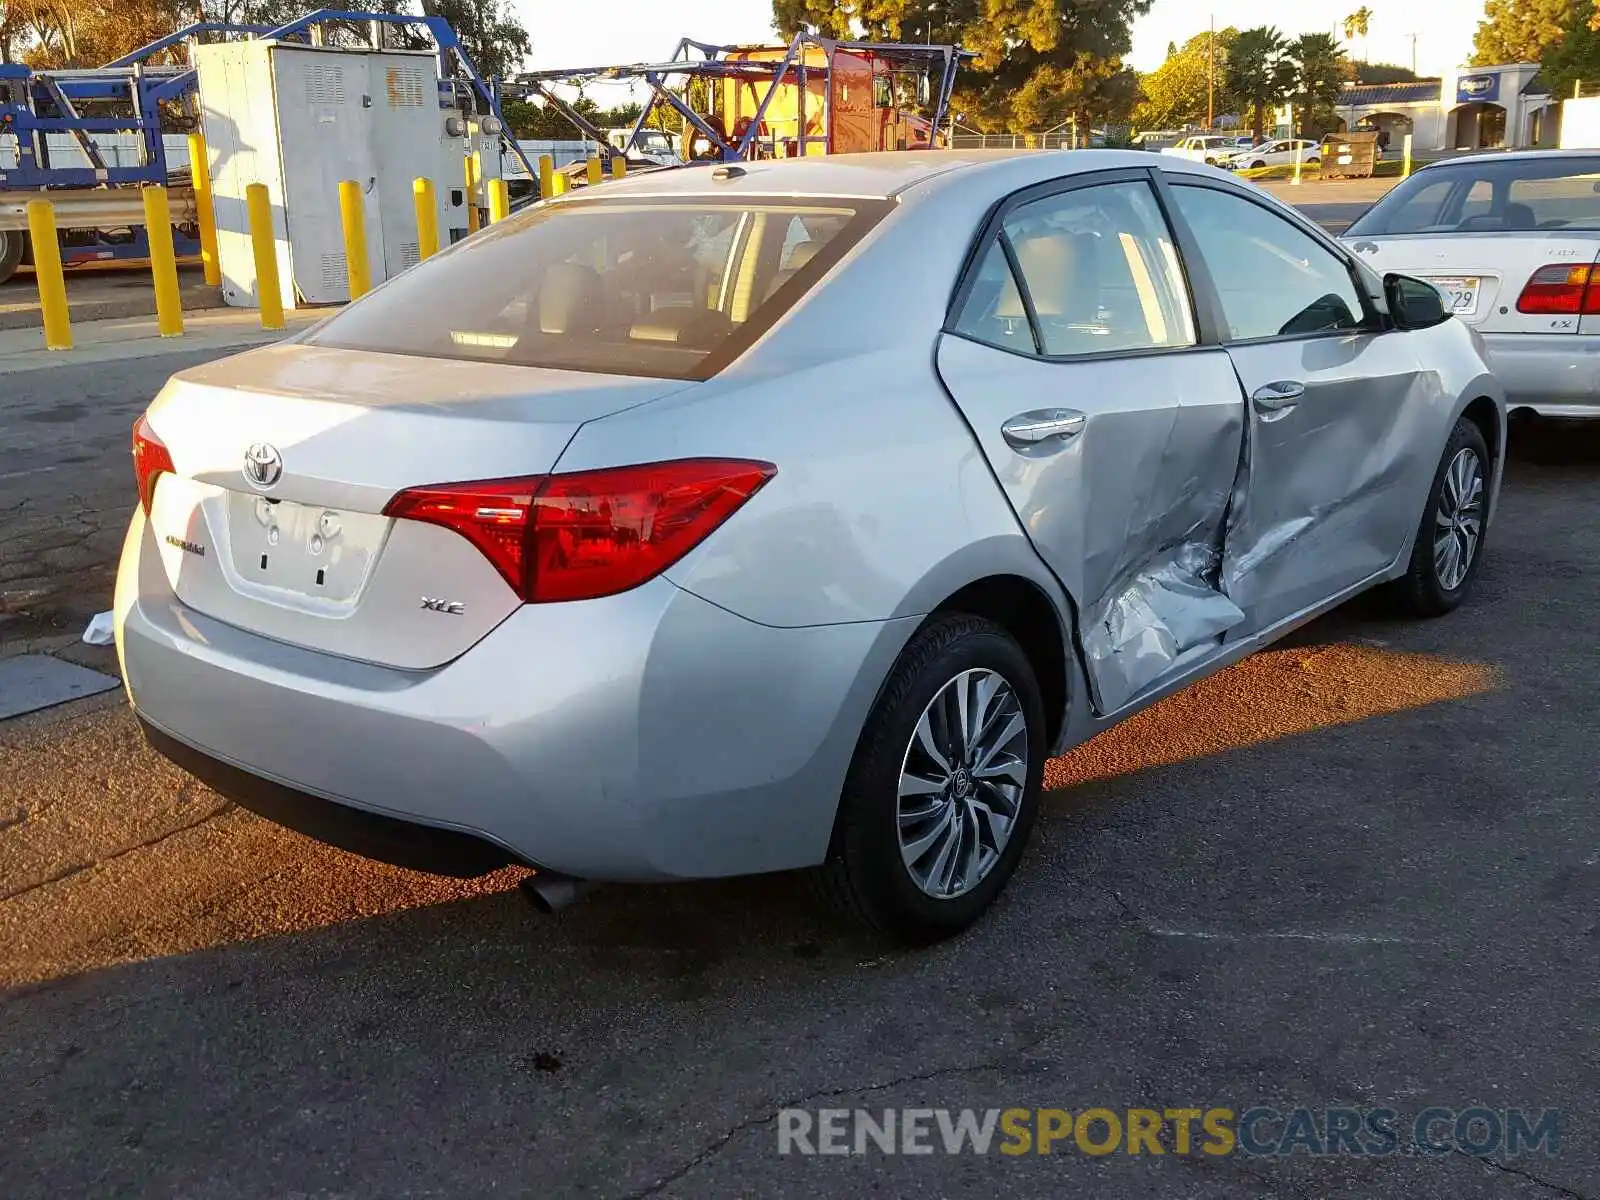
(549, 892)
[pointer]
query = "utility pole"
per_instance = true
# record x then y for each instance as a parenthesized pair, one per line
(1413, 53)
(1211, 76)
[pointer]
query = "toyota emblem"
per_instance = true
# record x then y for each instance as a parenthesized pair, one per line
(263, 465)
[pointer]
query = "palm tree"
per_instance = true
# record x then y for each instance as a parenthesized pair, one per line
(1259, 71)
(1359, 24)
(1319, 69)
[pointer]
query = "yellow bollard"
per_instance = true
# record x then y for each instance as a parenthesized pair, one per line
(619, 166)
(269, 292)
(47, 270)
(593, 168)
(163, 263)
(499, 200)
(352, 213)
(1405, 169)
(427, 207)
(559, 184)
(1298, 153)
(205, 213)
(474, 170)
(547, 170)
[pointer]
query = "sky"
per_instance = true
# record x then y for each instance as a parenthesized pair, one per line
(582, 33)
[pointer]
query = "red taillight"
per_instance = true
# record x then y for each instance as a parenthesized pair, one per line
(1562, 289)
(589, 533)
(150, 458)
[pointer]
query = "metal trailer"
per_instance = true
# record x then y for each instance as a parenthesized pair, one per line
(94, 191)
(787, 76)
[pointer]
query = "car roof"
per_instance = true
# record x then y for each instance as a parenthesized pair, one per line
(1512, 156)
(884, 175)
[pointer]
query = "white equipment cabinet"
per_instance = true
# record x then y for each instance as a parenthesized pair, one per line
(300, 119)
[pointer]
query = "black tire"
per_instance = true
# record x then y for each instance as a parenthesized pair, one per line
(1420, 592)
(864, 877)
(12, 243)
(1259, 166)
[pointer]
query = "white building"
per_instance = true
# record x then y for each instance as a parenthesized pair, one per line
(1473, 108)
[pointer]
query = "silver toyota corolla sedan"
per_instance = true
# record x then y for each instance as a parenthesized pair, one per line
(786, 515)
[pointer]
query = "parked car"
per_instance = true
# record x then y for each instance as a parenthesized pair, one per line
(1278, 153)
(1512, 241)
(786, 516)
(1206, 148)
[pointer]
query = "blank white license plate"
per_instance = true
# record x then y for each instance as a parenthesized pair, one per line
(1460, 292)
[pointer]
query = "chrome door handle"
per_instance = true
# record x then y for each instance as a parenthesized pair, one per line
(1278, 397)
(1030, 429)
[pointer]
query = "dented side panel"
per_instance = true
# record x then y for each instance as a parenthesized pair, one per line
(1325, 497)
(1130, 512)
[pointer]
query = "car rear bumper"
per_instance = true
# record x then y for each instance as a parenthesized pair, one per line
(1554, 375)
(650, 735)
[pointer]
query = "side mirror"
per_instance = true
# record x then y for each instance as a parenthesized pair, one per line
(1414, 304)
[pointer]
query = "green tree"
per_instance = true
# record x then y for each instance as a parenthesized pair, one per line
(1182, 89)
(1081, 41)
(493, 38)
(1319, 77)
(1576, 59)
(1384, 73)
(1524, 30)
(1260, 73)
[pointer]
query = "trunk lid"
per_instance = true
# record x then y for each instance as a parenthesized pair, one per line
(284, 461)
(1483, 273)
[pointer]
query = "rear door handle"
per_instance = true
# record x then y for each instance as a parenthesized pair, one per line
(1276, 399)
(1029, 429)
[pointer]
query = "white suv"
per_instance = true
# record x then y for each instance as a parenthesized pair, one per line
(1206, 148)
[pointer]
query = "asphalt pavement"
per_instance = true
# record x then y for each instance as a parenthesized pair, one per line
(1361, 870)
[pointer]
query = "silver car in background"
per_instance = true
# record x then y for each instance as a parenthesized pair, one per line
(786, 515)
(1513, 240)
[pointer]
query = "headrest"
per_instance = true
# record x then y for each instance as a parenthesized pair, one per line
(568, 299)
(800, 254)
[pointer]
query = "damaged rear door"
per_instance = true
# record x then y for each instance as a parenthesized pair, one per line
(1072, 352)
(1332, 405)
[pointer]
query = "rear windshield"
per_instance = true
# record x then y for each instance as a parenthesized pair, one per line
(1490, 196)
(665, 288)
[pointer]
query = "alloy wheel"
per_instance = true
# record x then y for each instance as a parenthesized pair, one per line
(1458, 523)
(962, 781)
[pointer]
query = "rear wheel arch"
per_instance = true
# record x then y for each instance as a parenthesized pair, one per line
(1020, 607)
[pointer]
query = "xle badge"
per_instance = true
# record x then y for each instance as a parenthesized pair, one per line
(454, 607)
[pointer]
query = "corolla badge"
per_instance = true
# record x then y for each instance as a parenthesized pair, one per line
(263, 465)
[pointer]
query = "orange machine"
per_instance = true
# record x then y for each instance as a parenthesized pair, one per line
(812, 96)
(851, 101)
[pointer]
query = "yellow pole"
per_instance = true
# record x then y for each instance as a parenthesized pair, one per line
(47, 270)
(352, 212)
(499, 200)
(1298, 153)
(269, 292)
(559, 184)
(205, 214)
(472, 191)
(1405, 168)
(427, 206)
(163, 263)
(547, 170)
(593, 167)
(619, 166)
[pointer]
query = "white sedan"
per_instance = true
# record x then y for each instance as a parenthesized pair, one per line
(1512, 241)
(1280, 153)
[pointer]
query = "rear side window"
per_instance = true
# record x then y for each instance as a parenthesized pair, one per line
(664, 288)
(1490, 196)
(1099, 275)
